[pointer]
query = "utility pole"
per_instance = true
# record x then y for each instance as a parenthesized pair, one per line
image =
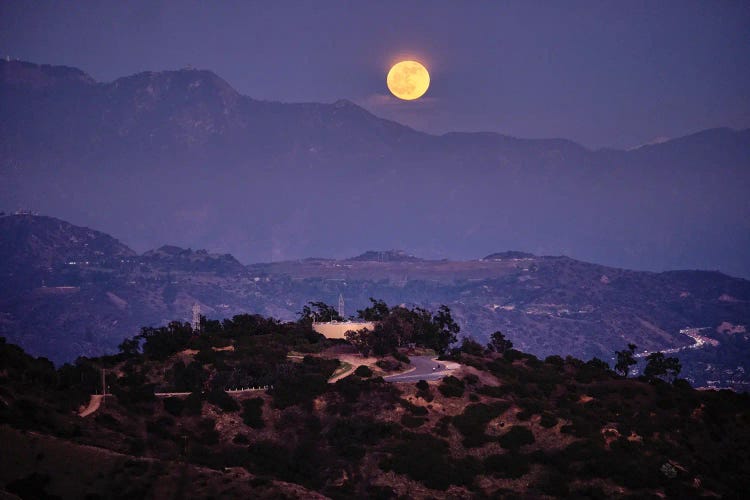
(341, 306)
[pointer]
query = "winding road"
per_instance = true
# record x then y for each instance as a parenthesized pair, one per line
(425, 368)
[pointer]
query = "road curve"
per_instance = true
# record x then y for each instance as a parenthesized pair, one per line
(425, 368)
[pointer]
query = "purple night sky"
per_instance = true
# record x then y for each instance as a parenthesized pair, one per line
(604, 74)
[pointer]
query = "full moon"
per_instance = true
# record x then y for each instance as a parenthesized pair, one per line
(408, 80)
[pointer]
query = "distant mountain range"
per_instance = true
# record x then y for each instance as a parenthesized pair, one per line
(69, 291)
(180, 157)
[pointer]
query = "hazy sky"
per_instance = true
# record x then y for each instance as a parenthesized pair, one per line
(601, 73)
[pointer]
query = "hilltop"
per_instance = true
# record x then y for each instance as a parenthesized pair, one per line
(504, 424)
(73, 301)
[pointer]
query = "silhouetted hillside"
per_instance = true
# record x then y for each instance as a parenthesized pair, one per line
(502, 424)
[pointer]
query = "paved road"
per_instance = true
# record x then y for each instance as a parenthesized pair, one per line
(425, 369)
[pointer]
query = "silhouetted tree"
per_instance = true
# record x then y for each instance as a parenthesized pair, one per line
(659, 366)
(625, 359)
(319, 311)
(361, 340)
(160, 343)
(378, 311)
(498, 342)
(446, 330)
(130, 347)
(471, 346)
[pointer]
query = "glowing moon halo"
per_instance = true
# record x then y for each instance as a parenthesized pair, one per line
(408, 80)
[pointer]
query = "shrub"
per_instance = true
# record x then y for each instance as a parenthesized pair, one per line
(31, 486)
(271, 458)
(524, 415)
(554, 484)
(303, 382)
(548, 420)
(161, 427)
(507, 465)
(423, 458)
(208, 435)
(554, 360)
(473, 422)
(402, 357)
(348, 436)
(252, 413)
(422, 385)
(451, 387)
(471, 379)
(465, 470)
(223, 400)
(516, 437)
(513, 355)
(494, 391)
(411, 421)
(193, 403)
(174, 406)
(107, 420)
(472, 347)
(417, 410)
(206, 356)
(388, 365)
(241, 438)
(363, 371)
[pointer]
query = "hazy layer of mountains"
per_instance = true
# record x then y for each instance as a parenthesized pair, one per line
(69, 291)
(180, 157)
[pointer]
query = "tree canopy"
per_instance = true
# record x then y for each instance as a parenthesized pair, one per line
(400, 326)
(625, 359)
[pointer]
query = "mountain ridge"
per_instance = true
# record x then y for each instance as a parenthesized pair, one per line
(545, 305)
(63, 74)
(266, 180)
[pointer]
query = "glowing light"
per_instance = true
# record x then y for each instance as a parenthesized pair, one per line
(408, 80)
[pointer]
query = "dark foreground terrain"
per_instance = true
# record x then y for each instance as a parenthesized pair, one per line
(504, 424)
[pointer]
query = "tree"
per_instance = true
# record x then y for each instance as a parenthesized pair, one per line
(446, 330)
(361, 340)
(498, 342)
(319, 311)
(625, 359)
(130, 347)
(471, 346)
(378, 311)
(659, 366)
(160, 343)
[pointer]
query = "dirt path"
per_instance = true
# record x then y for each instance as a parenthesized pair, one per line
(354, 360)
(94, 404)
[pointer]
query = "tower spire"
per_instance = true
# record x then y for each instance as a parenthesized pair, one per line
(196, 323)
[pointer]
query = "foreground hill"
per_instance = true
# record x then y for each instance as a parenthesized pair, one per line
(505, 424)
(180, 156)
(72, 303)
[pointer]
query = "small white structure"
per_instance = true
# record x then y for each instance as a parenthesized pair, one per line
(337, 329)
